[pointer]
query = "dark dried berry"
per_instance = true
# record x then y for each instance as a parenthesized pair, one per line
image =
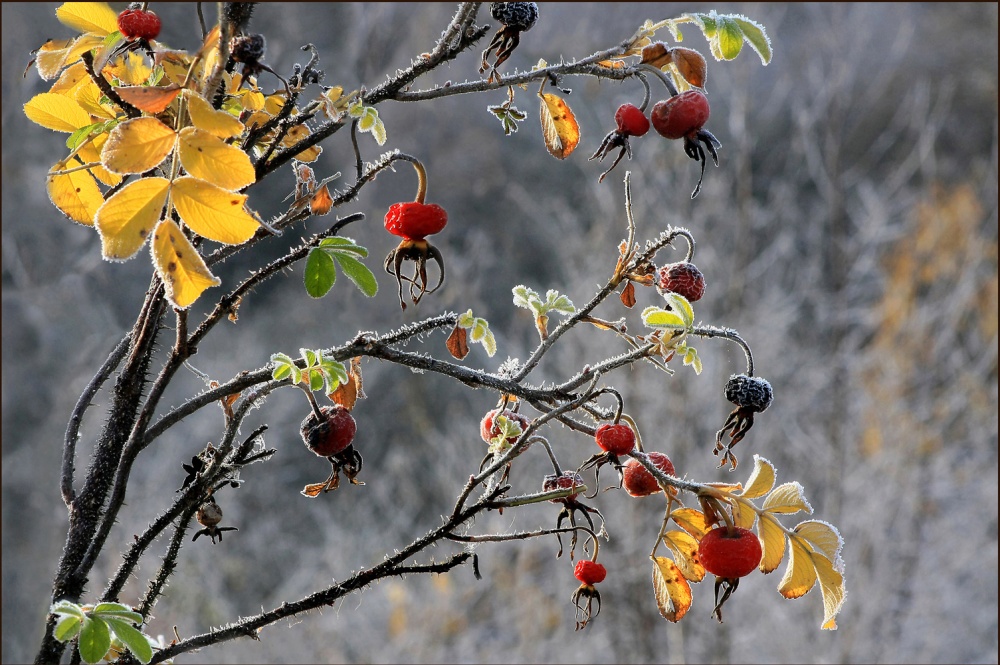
(332, 434)
(517, 15)
(750, 392)
(247, 48)
(682, 278)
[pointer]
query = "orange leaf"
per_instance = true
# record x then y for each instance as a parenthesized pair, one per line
(559, 127)
(691, 520)
(149, 99)
(628, 295)
(457, 343)
(672, 591)
(691, 65)
(657, 55)
(137, 145)
(347, 393)
(321, 202)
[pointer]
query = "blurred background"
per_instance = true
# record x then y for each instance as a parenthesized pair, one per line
(849, 234)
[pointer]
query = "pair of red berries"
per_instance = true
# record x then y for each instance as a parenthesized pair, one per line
(135, 24)
(681, 116)
(619, 439)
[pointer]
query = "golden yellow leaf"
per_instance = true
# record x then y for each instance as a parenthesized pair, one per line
(95, 17)
(296, 134)
(772, 541)
(148, 98)
(126, 219)
(72, 78)
(800, 574)
(203, 116)
(213, 212)
(207, 157)
(274, 103)
(75, 194)
(560, 130)
(209, 53)
(685, 550)
(822, 537)
(131, 70)
(88, 96)
(691, 520)
(787, 498)
(257, 119)
(185, 275)
(761, 479)
(81, 45)
(672, 591)
(137, 145)
(743, 515)
(831, 585)
(91, 153)
(50, 58)
(56, 112)
(175, 64)
(252, 100)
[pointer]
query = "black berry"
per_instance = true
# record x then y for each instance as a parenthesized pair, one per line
(749, 392)
(517, 15)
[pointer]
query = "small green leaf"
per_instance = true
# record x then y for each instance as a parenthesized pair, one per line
(655, 317)
(683, 308)
(68, 628)
(479, 330)
(66, 607)
(368, 119)
(95, 640)
(309, 356)
(489, 343)
(466, 320)
(523, 296)
(316, 380)
(320, 274)
(117, 610)
(358, 273)
(284, 366)
(756, 36)
(81, 135)
(131, 638)
(356, 108)
(560, 303)
(343, 244)
(378, 131)
(730, 38)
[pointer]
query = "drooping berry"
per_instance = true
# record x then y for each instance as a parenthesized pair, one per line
(247, 48)
(749, 392)
(682, 278)
(134, 24)
(331, 434)
(589, 572)
(415, 221)
(566, 480)
(488, 430)
(681, 116)
(520, 16)
(631, 121)
(616, 439)
(638, 481)
(730, 554)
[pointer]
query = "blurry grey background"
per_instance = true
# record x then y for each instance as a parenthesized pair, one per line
(850, 234)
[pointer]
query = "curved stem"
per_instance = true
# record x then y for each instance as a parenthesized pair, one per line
(421, 175)
(635, 428)
(312, 401)
(671, 88)
(731, 335)
(645, 96)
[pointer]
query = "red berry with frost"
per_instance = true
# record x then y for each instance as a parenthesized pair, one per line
(331, 434)
(730, 554)
(415, 221)
(638, 481)
(631, 121)
(682, 278)
(680, 116)
(616, 439)
(589, 572)
(134, 23)
(488, 430)
(566, 480)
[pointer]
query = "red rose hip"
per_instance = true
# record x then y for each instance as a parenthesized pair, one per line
(616, 439)
(730, 554)
(638, 481)
(680, 116)
(331, 434)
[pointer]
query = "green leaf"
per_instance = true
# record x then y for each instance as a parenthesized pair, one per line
(320, 274)
(343, 244)
(681, 305)
(316, 380)
(523, 296)
(95, 640)
(656, 317)
(756, 36)
(378, 131)
(560, 303)
(68, 628)
(368, 119)
(309, 356)
(81, 135)
(466, 320)
(131, 638)
(358, 273)
(283, 366)
(730, 38)
(479, 330)
(489, 343)
(65, 607)
(117, 610)
(691, 358)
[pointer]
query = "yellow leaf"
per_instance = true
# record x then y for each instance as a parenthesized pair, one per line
(56, 112)
(800, 574)
(75, 194)
(50, 58)
(175, 64)
(205, 156)
(70, 80)
(137, 145)
(685, 550)
(691, 520)
(149, 98)
(88, 96)
(274, 103)
(296, 134)
(772, 541)
(126, 219)
(131, 70)
(88, 17)
(91, 153)
(672, 591)
(743, 515)
(81, 45)
(787, 498)
(213, 212)
(179, 265)
(253, 100)
(203, 116)
(761, 479)
(831, 585)
(559, 127)
(822, 537)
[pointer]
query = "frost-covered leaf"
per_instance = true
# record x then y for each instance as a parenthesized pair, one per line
(672, 591)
